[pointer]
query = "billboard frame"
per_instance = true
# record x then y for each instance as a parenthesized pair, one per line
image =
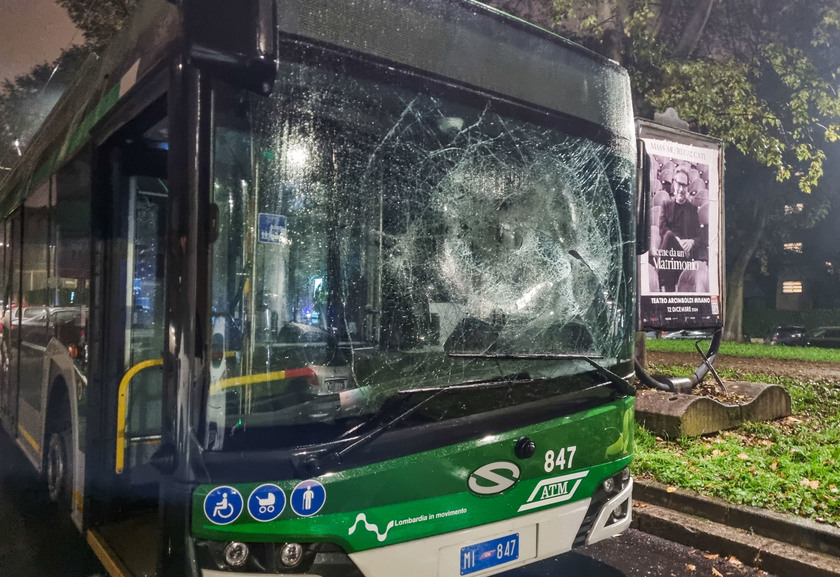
(672, 305)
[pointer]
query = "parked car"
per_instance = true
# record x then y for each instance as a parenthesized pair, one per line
(823, 337)
(790, 335)
(41, 324)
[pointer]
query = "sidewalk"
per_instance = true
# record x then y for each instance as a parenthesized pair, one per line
(784, 545)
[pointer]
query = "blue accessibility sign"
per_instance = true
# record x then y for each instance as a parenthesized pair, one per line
(223, 505)
(271, 227)
(266, 502)
(308, 498)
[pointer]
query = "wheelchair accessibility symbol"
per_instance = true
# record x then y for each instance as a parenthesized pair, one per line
(223, 505)
(266, 502)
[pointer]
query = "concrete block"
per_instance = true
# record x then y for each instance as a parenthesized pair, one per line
(681, 414)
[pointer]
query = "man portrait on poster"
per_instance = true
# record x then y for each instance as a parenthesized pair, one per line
(682, 236)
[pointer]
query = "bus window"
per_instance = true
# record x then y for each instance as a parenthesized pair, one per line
(34, 298)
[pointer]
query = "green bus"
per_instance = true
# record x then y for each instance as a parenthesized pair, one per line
(327, 288)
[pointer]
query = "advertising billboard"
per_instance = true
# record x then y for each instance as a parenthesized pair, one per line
(681, 275)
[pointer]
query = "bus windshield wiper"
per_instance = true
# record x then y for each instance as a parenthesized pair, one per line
(318, 465)
(619, 383)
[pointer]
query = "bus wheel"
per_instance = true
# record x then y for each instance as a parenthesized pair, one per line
(59, 467)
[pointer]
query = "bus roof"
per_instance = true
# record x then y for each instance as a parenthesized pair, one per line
(99, 84)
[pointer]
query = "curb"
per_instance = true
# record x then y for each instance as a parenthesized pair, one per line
(785, 545)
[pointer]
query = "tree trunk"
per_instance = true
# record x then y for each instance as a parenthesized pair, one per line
(734, 318)
(694, 28)
(733, 324)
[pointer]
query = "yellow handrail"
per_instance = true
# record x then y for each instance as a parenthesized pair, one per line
(246, 380)
(122, 408)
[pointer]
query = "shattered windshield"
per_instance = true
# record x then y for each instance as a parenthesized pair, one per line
(379, 235)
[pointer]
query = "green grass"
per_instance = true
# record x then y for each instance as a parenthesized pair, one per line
(788, 465)
(747, 350)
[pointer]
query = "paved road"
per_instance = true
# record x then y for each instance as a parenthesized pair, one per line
(637, 554)
(35, 541)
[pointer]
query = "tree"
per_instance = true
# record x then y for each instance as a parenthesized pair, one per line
(757, 74)
(26, 100)
(98, 21)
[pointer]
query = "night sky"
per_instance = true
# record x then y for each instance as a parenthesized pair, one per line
(32, 32)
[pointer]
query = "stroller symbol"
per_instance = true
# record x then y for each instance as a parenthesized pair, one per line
(267, 504)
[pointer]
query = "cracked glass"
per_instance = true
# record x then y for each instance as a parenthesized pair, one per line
(380, 236)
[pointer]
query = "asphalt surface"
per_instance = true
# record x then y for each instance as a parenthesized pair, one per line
(37, 541)
(638, 554)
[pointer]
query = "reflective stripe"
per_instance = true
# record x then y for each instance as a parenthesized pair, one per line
(106, 556)
(29, 439)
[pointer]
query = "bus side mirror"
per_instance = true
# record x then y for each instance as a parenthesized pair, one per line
(642, 200)
(233, 40)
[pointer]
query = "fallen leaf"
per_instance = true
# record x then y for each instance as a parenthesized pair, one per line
(743, 456)
(733, 560)
(671, 489)
(716, 573)
(774, 465)
(808, 483)
(711, 555)
(691, 567)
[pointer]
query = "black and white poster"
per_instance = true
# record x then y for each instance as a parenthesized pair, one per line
(680, 276)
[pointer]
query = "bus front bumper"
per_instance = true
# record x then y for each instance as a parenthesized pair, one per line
(539, 535)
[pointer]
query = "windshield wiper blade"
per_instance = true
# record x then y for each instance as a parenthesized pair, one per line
(519, 379)
(618, 382)
(525, 356)
(318, 465)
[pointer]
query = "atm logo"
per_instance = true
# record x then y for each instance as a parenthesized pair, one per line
(554, 490)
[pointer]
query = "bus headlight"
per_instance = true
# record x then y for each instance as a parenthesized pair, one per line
(318, 558)
(236, 554)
